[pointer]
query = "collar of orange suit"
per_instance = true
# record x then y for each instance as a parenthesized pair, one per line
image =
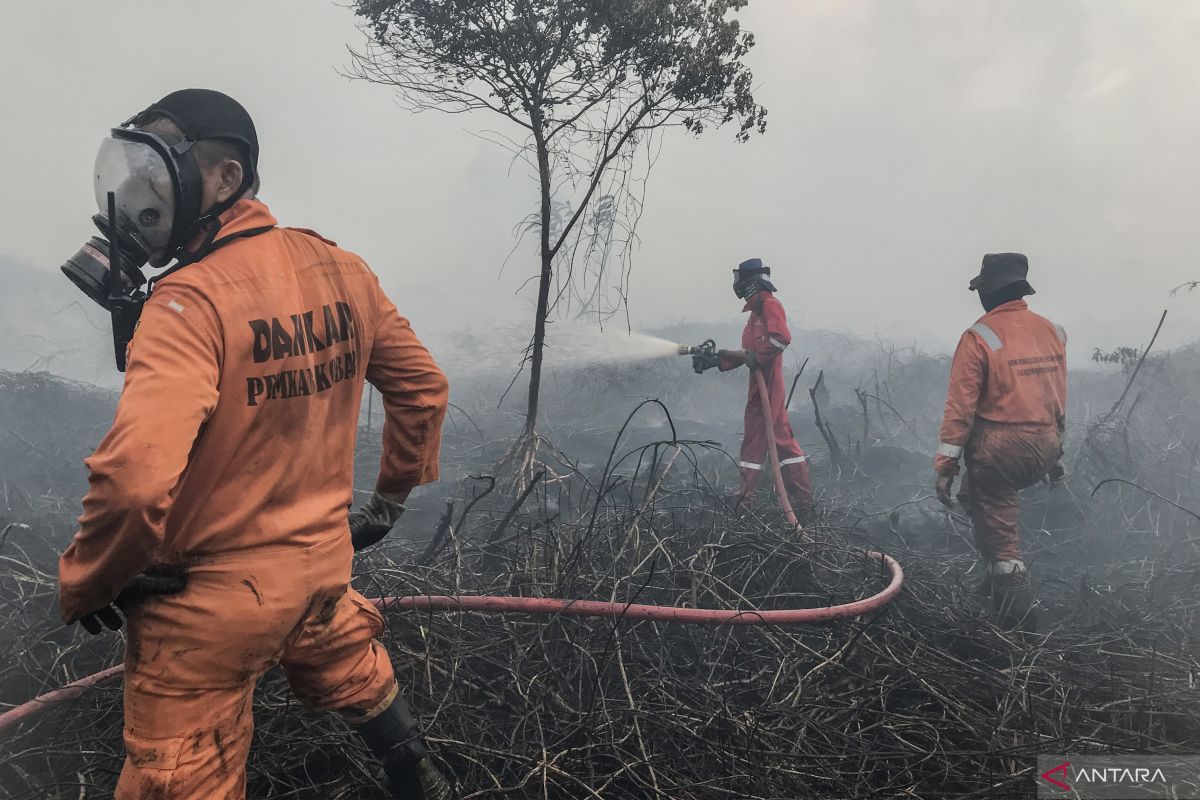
(242, 216)
(755, 303)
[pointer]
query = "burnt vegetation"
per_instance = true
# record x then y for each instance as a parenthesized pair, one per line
(924, 698)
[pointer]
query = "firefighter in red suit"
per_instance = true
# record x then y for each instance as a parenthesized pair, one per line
(763, 341)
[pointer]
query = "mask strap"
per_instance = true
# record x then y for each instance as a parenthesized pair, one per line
(212, 220)
(213, 214)
(206, 248)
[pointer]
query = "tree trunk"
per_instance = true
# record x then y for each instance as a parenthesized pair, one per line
(543, 304)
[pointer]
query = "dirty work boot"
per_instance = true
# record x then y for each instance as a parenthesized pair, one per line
(395, 739)
(433, 783)
(1012, 596)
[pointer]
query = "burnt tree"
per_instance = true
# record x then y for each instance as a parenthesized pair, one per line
(584, 83)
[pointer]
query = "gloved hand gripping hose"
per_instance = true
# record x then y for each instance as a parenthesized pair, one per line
(704, 355)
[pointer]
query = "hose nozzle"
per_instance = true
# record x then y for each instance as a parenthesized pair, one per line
(708, 346)
(704, 355)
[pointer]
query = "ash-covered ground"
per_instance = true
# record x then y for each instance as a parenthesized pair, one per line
(923, 699)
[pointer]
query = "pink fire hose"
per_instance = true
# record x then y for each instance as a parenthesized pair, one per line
(633, 612)
(773, 449)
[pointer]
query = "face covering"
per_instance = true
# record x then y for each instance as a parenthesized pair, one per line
(746, 287)
(149, 193)
(748, 284)
(157, 187)
(1005, 294)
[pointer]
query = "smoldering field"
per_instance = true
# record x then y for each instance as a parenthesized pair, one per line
(924, 698)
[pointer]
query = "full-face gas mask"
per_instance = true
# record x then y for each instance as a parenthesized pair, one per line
(149, 196)
(148, 191)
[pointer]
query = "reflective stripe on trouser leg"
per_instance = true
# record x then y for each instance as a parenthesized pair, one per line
(753, 454)
(750, 476)
(793, 463)
(797, 481)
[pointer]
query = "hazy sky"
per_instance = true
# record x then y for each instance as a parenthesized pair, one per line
(905, 140)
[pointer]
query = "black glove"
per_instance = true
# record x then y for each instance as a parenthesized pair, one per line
(1057, 474)
(751, 360)
(374, 520)
(704, 361)
(943, 487)
(149, 584)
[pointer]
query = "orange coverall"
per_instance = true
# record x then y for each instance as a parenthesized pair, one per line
(766, 335)
(1006, 409)
(232, 454)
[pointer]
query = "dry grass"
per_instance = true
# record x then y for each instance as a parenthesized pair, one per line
(924, 699)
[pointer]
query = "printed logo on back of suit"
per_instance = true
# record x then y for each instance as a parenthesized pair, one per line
(1037, 365)
(301, 334)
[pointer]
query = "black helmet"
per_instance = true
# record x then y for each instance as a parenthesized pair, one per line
(208, 114)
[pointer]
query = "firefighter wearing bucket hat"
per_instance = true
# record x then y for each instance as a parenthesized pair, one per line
(1005, 416)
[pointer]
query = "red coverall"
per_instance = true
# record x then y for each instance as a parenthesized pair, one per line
(767, 335)
(1006, 409)
(232, 455)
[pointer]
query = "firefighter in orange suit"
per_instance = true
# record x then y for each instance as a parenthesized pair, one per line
(764, 339)
(230, 460)
(1006, 413)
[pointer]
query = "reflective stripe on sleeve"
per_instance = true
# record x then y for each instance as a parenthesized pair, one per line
(748, 465)
(1062, 333)
(776, 342)
(988, 335)
(949, 450)
(796, 460)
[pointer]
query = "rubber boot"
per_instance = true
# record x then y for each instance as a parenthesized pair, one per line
(1012, 602)
(395, 739)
